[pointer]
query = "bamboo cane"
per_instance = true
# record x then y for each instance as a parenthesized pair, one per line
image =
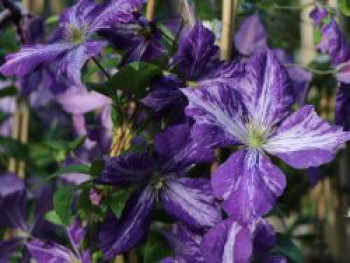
(150, 9)
(228, 24)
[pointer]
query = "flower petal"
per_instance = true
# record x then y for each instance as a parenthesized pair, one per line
(305, 140)
(29, 58)
(71, 64)
(177, 151)
(196, 50)
(251, 36)
(186, 245)
(9, 184)
(342, 110)
(76, 233)
(126, 170)
(267, 89)
(191, 201)
(82, 102)
(106, 15)
(8, 247)
(249, 184)
(118, 236)
(228, 242)
(44, 252)
(218, 106)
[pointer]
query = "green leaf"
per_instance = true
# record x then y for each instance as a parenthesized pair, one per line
(317, 35)
(134, 77)
(7, 92)
(116, 201)
(156, 249)
(13, 148)
(286, 247)
(62, 201)
(76, 168)
(53, 218)
(344, 6)
(97, 168)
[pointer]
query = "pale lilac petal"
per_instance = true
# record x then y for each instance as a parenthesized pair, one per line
(251, 36)
(71, 64)
(191, 201)
(118, 236)
(267, 89)
(83, 102)
(218, 106)
(29, 58)
(249, 184)
(196, 50)
(305, 140)
(44, 252)
(126, 170)
(228, 242)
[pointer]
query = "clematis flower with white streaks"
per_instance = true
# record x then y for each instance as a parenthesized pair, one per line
(255, 111)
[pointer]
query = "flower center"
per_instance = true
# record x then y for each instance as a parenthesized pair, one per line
(256, 136)
(76, 34)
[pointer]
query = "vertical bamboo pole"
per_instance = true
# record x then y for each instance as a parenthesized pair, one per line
(228, 24)
(150, 9)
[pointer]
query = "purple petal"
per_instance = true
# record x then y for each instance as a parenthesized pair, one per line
(86, 258)
(76, 233)
(71, 64)
(82, 102)
(251, 37)
(342, 110)
(29, 58)
(9, 184)
(264, 238)
(165, 93)
(300, 82)
(305, 140)
(14, 210)
(220, 107)
(118, 236)
(8, 247)
(334, 43)
(249, 184)
(186, 245)
(125, 170)
(267, 88)
(109, 14)
(195, 52)
(44, 252)
(228, 242)
(222, 73)
(191, 201)
(177, 150)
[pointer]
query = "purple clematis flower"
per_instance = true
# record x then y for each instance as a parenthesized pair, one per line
(74, 41)
(198, 65)
(335, 45)
(252, 38)
(14, 200)
(228, 242)
(256, 113)
(140, 39)
(189, 200)
(48, 251)
(232, 242)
